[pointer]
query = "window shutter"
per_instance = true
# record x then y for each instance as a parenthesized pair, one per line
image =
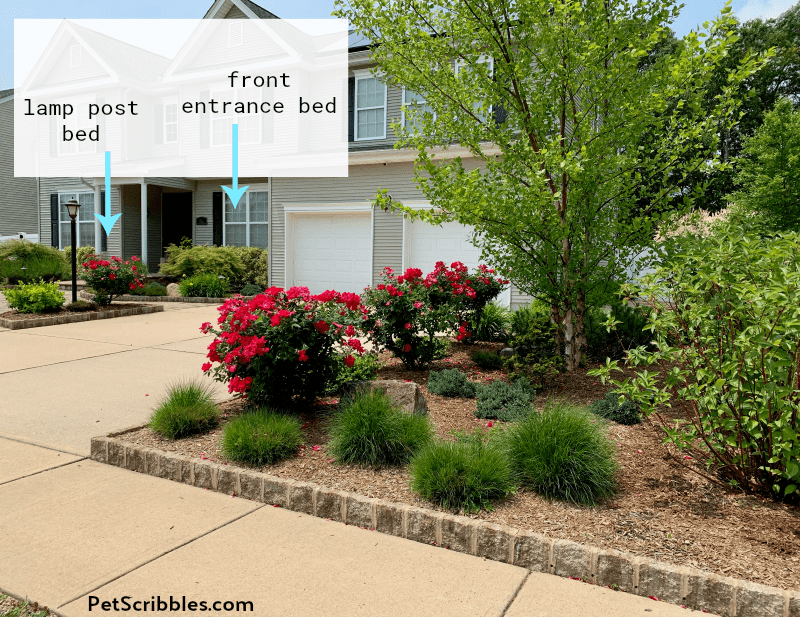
(101, 125)
(500, 114)
(54, 220)
(158, 124)
(217, 216)
(351, 104)
(205, 122)
(53, 136)
(103, 234)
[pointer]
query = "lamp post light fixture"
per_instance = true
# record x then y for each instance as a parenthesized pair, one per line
(72, 209)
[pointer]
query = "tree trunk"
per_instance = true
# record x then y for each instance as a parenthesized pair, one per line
(580, 327)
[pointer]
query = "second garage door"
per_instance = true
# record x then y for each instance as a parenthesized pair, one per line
(331, 251)
(426, 244)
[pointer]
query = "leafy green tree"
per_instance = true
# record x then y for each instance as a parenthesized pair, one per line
(552, 100)
(768, 174)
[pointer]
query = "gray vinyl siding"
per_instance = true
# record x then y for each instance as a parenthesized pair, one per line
(18, 212)
(47, 186)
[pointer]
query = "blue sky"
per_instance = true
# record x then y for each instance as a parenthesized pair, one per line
(694, 12)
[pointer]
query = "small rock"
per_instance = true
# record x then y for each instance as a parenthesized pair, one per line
(507, 352)
(173, 291)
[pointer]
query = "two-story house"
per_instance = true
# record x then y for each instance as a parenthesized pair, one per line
(322, 233)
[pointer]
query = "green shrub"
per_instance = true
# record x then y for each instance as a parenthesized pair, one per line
(217, 260)
(629, 333)
(35, 297)
(487, 360)
(611, 409)
(365, 368)
(187, 408)
(83, 254)
(370, 430)
(251, 290)
(726, 320)
(563, 453)
(203, 286)
(503, 401)
(25, 262)
(261, 437)
(151, 289)
(254, 268)
(82, 305)
(536, 353)
(451, 382)
(492, 324)
(467, 475)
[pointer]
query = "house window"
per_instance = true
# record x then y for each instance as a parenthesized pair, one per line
(247, 224)
(489, 61)
(76, 122)
(370, 108)
(416, 101)
(75, 56)
(235, 33)
(170, 123)
(85, 220)
(249, 123)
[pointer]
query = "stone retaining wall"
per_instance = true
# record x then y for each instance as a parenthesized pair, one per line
(18, 324)
(638, 575)
(129, 298)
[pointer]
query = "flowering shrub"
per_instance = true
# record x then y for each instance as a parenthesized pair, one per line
(280, 347)
(467, 293)
(404, 320)
(112, 278)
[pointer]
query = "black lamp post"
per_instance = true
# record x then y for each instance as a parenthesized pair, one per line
(72, 208)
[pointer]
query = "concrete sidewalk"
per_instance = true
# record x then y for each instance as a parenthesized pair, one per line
(74, 532)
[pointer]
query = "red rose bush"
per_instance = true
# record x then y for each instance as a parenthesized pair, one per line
(280, 347)
(114, 277)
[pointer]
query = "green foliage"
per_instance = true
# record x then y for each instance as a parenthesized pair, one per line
(488, 360)
(370, 430)
(254, 268)
(151, 289)
(492, 324)
(629, 333)
(40, 262)
(563, 453)
(187, 408)
(82, 255)
(468, 475)
(535, 341)
(23, 609)
(451, 382)
(35, 297)
(217, 260)
(203, 286)
(112, 277)
(251, 290)
(499, 400)
(726, 320)
(365, 368)
(610, 408)
(768, 175)
(80, 306)
(261, 437)
(559, 206)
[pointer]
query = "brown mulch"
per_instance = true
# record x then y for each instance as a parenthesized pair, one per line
(662, 509)
(17, 316)
(24, 609)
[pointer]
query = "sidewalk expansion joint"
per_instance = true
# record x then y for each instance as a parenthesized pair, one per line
(515, 594)
(36, 473)
(160, 555)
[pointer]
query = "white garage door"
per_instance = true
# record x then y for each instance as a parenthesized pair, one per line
(426, 244)
(331, 251)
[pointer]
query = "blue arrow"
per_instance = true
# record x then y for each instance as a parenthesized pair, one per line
(108, 221)
(235, 193)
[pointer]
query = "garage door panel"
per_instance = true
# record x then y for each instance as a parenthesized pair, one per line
(426, 244)
(332, 251)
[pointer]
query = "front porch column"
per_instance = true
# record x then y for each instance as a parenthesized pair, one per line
(144, 223)
(98, 228)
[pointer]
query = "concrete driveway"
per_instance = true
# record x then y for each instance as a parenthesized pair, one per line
(75, 534)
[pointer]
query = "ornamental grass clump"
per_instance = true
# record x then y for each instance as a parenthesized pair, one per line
(261, 437)
(563, 453)
(451, 383)
(187, 408)
(280, 347)
(371, 430)
(204, 285)
(467, 475)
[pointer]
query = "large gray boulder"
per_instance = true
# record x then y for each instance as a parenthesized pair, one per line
(173, 291)
(406, 395)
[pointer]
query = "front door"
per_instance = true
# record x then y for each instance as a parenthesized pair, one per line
(176, 218)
